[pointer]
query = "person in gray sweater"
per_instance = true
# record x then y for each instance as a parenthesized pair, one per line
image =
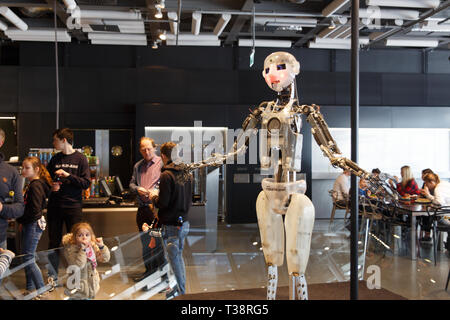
(11, 198)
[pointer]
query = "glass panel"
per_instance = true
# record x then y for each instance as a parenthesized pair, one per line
(391, 148)
(116, 277)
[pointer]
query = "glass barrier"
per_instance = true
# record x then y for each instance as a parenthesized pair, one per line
(120, 278)
(236, 262)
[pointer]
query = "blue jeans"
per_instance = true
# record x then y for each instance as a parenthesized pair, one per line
(31, 233)
(174, 240)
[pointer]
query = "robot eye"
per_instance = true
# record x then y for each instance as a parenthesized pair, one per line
(281, 66)
(267, 70)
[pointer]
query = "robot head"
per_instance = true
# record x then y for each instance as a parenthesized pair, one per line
(280, 69)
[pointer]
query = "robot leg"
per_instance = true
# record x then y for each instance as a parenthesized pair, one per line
(299, 223)
(272, 241)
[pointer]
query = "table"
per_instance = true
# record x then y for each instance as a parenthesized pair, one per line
(414, 210)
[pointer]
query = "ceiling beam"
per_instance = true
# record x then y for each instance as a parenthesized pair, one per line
(408, 26)
(312, 33)
(239, 23)
(62, 15)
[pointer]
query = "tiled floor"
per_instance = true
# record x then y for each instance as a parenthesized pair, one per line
(238, 263)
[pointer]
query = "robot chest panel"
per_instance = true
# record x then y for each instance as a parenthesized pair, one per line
(276, 123)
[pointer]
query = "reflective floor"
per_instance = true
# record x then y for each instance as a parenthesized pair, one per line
(238, 263)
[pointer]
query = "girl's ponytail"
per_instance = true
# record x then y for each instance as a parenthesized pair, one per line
(44, 174)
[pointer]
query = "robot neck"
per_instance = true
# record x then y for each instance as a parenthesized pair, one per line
(285, 96)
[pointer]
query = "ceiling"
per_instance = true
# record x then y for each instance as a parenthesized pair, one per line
(282, 24)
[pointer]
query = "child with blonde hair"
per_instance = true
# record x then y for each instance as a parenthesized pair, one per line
(83, 250)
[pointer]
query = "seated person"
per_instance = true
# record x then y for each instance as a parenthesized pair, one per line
(438, 191)
(376, 172)
(363, 188)
(425, 221)
(341, 188)
(6, 257)
(408, 186)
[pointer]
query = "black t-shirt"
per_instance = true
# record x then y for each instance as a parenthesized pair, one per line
(35, 201)
(70, 193)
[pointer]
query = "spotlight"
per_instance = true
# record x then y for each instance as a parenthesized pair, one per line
(332, 25)
(163, 36)
(158, 13)
(154, 45)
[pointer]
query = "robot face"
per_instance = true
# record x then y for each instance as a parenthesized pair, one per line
(280, 69)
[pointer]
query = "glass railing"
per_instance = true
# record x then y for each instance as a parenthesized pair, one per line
(231, 258)
(120, 278)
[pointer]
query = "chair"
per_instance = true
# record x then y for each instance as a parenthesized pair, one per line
(369, 212)
(337, 205)
(393, 216)
(436, 214)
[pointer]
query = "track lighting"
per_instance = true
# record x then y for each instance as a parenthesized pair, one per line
(162, 35)
(332, 25)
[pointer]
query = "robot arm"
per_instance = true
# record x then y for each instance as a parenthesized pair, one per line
(249, 125)
(326, 143)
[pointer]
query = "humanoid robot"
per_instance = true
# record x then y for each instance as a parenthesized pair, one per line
(280, 153)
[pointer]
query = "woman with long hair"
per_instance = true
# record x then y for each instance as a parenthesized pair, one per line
(408, 185)
(33, 222)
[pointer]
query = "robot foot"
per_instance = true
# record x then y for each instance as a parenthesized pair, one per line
(272, 282)
(301, 287)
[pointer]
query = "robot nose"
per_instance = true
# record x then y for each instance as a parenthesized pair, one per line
(273, 78)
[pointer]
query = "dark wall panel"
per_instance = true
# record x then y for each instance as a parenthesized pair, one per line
(35, 130)
(438, 89)
(99, 120)
(253, 89)
(404, 89)
(95, 56)
(207, 58)
(177, 86)
(40, 54)
(317, 87)
(97, 90)
(382, 60)
(37, 89)
(9, 89)
(439, 61)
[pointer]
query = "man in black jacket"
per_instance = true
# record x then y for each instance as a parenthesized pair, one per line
(174, 200)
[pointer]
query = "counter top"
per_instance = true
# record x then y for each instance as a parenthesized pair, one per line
(105, 203)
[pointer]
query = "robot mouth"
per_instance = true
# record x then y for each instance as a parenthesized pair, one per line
(274, 83)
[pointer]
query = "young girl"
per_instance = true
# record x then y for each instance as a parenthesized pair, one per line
(84, 251)
(32, 221)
